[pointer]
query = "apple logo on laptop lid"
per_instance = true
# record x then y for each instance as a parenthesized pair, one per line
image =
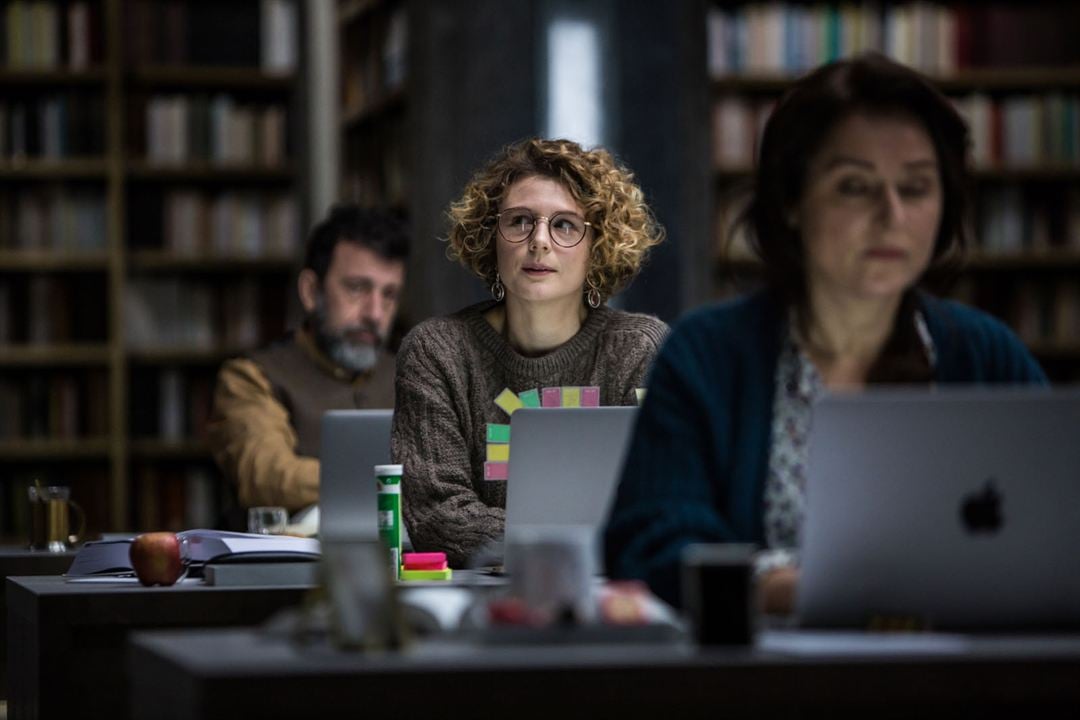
(981, 511)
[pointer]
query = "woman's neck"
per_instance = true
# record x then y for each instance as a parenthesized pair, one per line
(534, 329)
(843, 336)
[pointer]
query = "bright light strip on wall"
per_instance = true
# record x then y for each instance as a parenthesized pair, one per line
(574, 108)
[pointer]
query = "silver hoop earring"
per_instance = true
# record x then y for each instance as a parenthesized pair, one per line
(593, 298)
(498, 292)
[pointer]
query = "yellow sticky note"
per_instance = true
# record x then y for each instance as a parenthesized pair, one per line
(571, 397)
(498, 453)
(508, 401)
(640, 392)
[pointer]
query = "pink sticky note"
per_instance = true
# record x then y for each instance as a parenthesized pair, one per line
(551, 397)
(590, 397)
(496, 471)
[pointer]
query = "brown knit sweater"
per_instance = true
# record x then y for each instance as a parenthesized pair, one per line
(449, 371)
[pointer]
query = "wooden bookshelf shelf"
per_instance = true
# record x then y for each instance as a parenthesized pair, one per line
(66, 169)
(159, 261)
(53, 355)
(155, 449)
(187, 77)
(207, 172)
(355, 119)
(1026, 79)
(1055, 350)
(1055, 259)
(44, 449)
(182, 356)
(58, 77)
(53, 261)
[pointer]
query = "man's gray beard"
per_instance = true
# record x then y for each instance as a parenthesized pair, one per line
(356, 357)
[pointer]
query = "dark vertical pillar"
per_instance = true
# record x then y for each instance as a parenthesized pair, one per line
(471, 76)
(663, 136)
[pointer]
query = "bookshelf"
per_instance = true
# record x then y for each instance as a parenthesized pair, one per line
(150, 225)
(1012, 71)
(373, 41)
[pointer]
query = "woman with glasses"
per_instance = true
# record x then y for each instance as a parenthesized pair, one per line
(861, 188)
(553, 230)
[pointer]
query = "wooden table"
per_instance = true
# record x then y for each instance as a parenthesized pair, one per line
(243, 673)
(23, 561)
(67, 641)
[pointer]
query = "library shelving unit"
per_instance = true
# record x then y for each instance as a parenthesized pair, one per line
(1012, 72)
(373, 42)
(150, 222)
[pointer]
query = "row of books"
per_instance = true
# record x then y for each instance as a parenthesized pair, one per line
(170, 313)
(939, 38)
(44, 34)
(1010, 220)
(374, 63)
(216, 129)
(1023, 130)
(257, 33)
(377, 174)
(175, 498)
(1016, 131)
(61, 405)
(171, 404)
(230, 224)
(1014, 219)
(52, 126)
(62, 219)
(47, 309)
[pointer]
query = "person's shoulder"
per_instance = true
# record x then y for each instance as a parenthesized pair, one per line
(648, 328)
(738, 317)
(442, 332)
(952, 316)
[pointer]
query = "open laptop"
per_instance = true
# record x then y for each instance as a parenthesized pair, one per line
(946, 509)
(564, 464)
(353, 443)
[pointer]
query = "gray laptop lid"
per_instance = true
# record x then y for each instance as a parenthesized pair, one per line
(957, 508)
(353, 443)
(564, 464)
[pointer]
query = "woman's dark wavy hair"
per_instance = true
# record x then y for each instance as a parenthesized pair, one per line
(868, 84)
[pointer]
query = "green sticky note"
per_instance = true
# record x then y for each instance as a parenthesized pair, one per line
(571, 397)
(498, 433)
(530, 398)
(640, 392)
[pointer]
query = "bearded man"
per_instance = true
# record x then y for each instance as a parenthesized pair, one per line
(268, 406)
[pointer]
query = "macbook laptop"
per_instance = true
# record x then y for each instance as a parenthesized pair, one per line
(944, 509)
(353, 443)
(564, 464)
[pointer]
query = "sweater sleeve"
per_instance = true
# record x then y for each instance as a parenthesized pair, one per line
(441, 509)
(666, 499)
(254, 443)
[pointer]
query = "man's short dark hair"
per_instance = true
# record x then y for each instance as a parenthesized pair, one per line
(384, 233)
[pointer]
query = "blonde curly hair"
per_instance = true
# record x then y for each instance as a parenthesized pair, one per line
(623, 225)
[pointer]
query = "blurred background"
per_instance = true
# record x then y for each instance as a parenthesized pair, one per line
(161, 161)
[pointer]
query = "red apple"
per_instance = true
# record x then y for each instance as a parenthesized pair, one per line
(156, 558)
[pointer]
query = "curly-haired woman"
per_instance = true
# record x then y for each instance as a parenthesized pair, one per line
(554, 230)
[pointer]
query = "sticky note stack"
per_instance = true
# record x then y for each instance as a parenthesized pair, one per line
(425, 566)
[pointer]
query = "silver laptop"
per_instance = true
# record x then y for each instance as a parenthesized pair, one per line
(949, 509)
(353, 443)
(564, 464)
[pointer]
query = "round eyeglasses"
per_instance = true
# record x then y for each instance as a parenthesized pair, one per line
(566, 229)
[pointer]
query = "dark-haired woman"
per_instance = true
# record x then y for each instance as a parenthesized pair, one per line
(861, 188)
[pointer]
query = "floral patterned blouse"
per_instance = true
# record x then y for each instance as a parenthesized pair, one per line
(798, 386)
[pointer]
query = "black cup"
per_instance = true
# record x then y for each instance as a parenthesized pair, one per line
(717, 591)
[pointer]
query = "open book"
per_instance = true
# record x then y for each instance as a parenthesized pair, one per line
(110, 557)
